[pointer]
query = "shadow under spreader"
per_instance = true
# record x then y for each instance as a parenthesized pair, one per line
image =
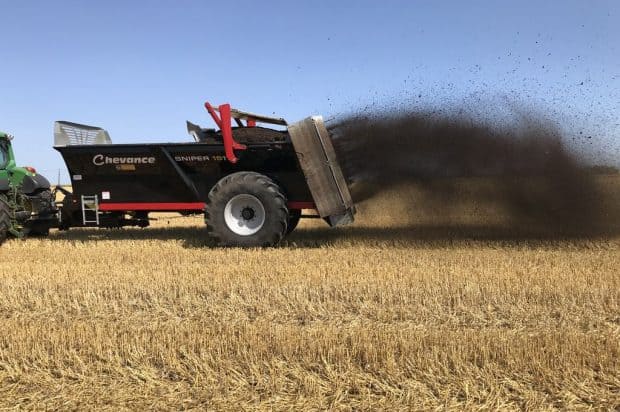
(188, 235)
(426, 235)
(539, 182)
(440, 235)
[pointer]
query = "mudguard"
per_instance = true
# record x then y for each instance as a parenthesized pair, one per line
(31, 184)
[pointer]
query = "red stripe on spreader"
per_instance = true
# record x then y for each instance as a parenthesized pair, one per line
(301, 205)
(151, 206)
(180, 206)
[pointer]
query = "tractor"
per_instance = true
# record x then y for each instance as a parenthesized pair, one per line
(27, 206)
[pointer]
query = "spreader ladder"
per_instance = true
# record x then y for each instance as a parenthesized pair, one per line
(90, 210)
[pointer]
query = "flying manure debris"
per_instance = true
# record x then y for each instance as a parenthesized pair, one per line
(536, 181)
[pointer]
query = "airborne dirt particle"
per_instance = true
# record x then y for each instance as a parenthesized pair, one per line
(451, 159)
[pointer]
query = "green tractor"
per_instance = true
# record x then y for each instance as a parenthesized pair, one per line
(27, 206)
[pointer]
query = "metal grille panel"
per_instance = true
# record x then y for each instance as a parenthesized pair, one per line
(72, 134)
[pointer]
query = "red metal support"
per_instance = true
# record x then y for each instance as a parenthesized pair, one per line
(174, 206)
(151, 206)
(224, 122)
(251, 123)
(213, 114)
(226, 129)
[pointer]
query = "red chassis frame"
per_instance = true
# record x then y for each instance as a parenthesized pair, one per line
(173, 207)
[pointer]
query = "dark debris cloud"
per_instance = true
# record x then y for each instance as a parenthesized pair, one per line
(538, 180)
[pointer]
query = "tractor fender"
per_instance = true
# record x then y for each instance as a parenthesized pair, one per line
(31, 184)
(4, 184)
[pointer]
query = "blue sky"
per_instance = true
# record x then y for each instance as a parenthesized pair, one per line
(141, 68)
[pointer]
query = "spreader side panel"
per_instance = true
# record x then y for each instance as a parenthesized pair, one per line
(318, 161)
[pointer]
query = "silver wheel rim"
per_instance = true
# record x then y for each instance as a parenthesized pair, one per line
(244, 215)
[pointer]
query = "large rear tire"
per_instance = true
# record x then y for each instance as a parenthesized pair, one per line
(5, 219)
(246, 209)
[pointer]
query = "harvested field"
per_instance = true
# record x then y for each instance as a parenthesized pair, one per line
(417, 306)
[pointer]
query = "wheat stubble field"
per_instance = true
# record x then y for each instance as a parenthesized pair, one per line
(448, 311)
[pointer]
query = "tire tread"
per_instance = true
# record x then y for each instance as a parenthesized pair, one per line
(5, 218)
(217, 199)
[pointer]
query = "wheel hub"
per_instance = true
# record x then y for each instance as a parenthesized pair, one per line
(248, 213)
(244, 214)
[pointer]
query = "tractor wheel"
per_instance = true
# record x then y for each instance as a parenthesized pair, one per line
(43, 203)
(293, 220)
(246, 209)
(5, 219)
(66, 213)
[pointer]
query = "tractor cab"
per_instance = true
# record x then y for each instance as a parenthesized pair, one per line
(6, 154)
(8, 167)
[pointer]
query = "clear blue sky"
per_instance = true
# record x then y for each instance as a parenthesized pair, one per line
(141, 68)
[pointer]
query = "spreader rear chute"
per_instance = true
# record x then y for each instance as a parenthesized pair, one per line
(317, 158)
